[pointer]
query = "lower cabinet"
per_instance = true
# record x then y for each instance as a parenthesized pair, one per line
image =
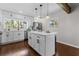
(21, 35)
(43, 44)
(5, 37)
(12, 36)
(31, 40)
(36, 43)
(16, 36)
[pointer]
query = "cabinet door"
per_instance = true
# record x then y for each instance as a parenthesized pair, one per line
(11, 36)
(36, 41)
(5, 14)
(18, 35)
(25, 24)
(42, 45)
(5, 38)
(0, 38)
(50, 45)
(1, 22)
(5, 22)
(30, 39)
(15, 35)
(21, 35)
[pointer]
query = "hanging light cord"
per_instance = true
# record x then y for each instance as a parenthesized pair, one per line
(41, 10)
(36, 11)
(47, 9)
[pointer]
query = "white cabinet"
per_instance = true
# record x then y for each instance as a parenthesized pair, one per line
(11, 36)
(8, 14)
(36, 41)
(12, 33)
(5, 37)
(18, 35)
(44, 44)
(30, 41)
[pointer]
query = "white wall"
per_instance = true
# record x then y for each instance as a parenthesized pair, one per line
(68, 30)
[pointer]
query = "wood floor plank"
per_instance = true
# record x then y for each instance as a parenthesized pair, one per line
(23, 49)
(66, 50)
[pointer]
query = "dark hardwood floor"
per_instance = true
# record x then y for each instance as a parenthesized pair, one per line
(65, 50)
(23, 49)
(17, 49)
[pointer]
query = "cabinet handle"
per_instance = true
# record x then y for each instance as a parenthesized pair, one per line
(37, 40)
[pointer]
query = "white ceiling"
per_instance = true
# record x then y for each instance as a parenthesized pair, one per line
(28, 8)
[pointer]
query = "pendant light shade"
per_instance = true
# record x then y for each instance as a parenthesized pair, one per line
(47, 16)
(40, 16)
(37, 17)
(41, 10)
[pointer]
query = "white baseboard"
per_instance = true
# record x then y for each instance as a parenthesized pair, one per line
(68, 44)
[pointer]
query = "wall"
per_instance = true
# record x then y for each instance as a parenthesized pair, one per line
(68, 29)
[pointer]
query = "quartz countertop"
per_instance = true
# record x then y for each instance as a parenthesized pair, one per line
(43, 33)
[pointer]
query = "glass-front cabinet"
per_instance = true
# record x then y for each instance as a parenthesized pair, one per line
(12, 26)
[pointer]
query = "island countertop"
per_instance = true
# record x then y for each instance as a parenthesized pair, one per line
(44, 33)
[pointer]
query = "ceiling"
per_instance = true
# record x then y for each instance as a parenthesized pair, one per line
(28, 8)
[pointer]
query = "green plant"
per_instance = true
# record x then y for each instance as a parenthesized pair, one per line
(54, 23)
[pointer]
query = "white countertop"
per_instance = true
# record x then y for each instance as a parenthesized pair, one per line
(43, 33)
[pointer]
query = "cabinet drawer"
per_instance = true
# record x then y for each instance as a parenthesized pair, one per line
(40, 37)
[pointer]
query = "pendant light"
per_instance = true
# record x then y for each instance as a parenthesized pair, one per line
(41, 10)
(36, 14)
(47, 17)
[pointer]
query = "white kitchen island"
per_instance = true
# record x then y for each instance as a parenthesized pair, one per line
(41, 42)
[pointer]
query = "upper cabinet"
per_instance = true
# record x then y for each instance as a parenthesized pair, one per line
(13, 21)
(7, 14)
